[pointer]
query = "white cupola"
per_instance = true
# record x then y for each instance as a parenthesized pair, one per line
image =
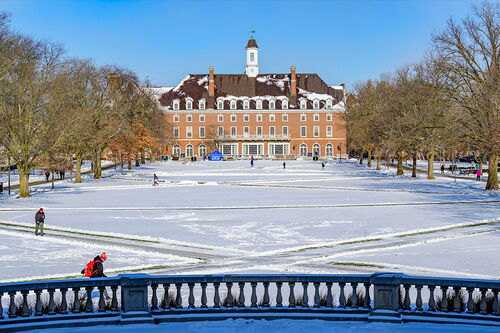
(252, 67)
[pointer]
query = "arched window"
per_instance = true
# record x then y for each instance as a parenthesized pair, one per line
(328, 103)
(284, 104)
(316, 104)
(202, 150)
(303, 104)
(246, 104)
(316, 150)
(189, 104)
(201, 104)
(258, 104)
(303, 150)
(189, 150)
(329, 149)
(272, 105)
(175, 104)
(176, 151)
(233, 105)
(220, 104)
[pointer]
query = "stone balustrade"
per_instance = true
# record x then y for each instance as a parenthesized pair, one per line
(140, 298)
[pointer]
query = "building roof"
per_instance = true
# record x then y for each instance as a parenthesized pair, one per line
(252, 43)
(240, 87)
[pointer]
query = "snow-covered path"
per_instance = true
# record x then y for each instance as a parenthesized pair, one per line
(225, 217)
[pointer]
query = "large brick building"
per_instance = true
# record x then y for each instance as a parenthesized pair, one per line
(255, 114)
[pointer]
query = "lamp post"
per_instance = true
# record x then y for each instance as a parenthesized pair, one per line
(8, 167)
(339, 147)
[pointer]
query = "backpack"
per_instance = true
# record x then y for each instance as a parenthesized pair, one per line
(89, 269)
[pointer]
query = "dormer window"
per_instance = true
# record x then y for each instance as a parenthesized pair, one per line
(284, 104)
(220, 104)
(175, 104)
(233, 105)
(303, 104)
(189, 104)
(272, 105)
(201, 104)
(258, 104)
(328, 103)
(316, 104)
(246, 104)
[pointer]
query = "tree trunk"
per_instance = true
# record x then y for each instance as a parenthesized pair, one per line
(369, 158)
(52, 181)
(430, 165)
(97, 165)
(137, 161)
(78, 169)
(143, 156)
(414, 166)
(378, 163)
(129, 164)
(24, 186)
(399, 171)
(361, 157)
(492, 183)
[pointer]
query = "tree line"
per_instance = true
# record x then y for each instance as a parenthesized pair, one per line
(445, 106)
(55, 110)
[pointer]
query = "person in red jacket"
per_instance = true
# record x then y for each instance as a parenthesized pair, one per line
(39, 221)
(95, 268)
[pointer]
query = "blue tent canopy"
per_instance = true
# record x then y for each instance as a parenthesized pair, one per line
(216, 156)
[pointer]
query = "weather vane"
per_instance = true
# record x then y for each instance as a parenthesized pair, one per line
(252, 32)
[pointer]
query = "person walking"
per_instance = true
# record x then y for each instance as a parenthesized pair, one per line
(478, 174)
(95, 268)
(322, 165)
(442, 169)
(39, 221)
(251, 162)
(284, 165)
(155, 179)
(47, 175)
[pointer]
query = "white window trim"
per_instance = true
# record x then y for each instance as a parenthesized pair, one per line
(316, 131)
(220, 104)
(303, 117)
(176, 104)
(201, 118)
(273, 104)
(189, 103)
(258, 104)
(246, 104)
(246, 118)
(272, 117)
(189, 118)
(316, 117)
(259, 117)
(176, 118)
(329, 129)
(220, 118)
(316, 104)
(234, 118)
(202, 104)
(283, 130)
(233, 105)
(204, 132)
(284, 117)
(305, 132)
(284, 105)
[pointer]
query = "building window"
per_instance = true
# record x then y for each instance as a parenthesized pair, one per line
(303, 104)
(189, 132)
(201, 104)
(189, 118)
(284, 117)
(259, 117)
(189, 105)
(220, 118)
(246, 104)
(252, 57)
(189, 150)
(272, 105)
(316, 131)
(279, 148)
(303, 131)
(303, 117)
(316, 149)
(259, 131)
(316, 117)
(284, 104)
(272, 131)
(246, 132)
(316, 104)
(202, 150)
(329, 149)
(328, 103)
(233, 105)
(303, 150)
(202, 118)
(175, 105)
(233, 118)
(272, 117)
(220, 131)
(177, 150)
(328, 117)
(233, 131)
(177, 132)
(329, 132)
(220, 105)
(246, 117)
(284, 131)
(258, 104)
(176, 118)
(202, 131)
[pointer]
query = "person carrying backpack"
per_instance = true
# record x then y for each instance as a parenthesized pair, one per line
(95, 268)
(39, 221)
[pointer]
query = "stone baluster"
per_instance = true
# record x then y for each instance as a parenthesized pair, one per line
(1, 307)
(342, 295)
(316, 295)
(102, 303)
(52, 304)
(12, 304)
(76, 301)
(114, 299)
(25, 311)
(241, 299)
(495, 308)
(432, 300)
(407, 301)
(266, 299)
(191, 296)
(178, 297)
(166, 301)
(279, 296)
(329, 295)
(229, 297)
(89, 307)
(418, 302)
(253, 298)
(444, 299)
(204, 295)
(367, 296)
(305, 297)
(457, 304)
(470, 300)
(154, 298)
(216, 295)
(482, 305)
(291, 298)
(354, 297)
(64, 302)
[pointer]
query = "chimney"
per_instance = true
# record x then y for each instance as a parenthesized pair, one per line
(293, 86)
(211, 81)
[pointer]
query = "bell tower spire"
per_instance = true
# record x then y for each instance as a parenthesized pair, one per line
(252, 63)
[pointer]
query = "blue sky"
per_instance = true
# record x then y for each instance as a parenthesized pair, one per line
(342, 41)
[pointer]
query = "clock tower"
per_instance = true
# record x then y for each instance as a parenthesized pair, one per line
(252, 67)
